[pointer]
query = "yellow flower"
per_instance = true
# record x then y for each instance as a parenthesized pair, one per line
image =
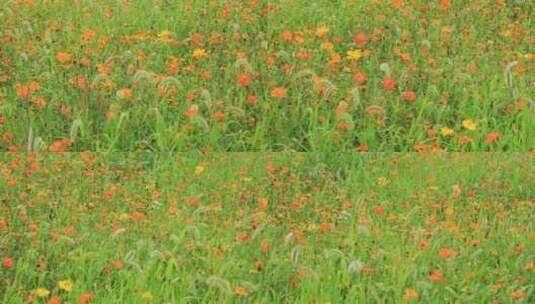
(199, 53)
(447, 132)
(382, 181)
(124, 216)
(65, 285)
(41, 292)
(469, 124)
(354, 55)
(321, 31)
(147, 296)
(199, 169)
(165, 34)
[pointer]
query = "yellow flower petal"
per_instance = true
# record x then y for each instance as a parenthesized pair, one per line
(65, 285)
(469, 124)
(354, 55)
(41, 292)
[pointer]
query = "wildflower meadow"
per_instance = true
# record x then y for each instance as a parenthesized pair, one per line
(258, 75)
(267, 228)
(267, 151)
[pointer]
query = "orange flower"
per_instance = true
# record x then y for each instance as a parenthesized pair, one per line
(300, 236)
(124, 93)
(286, 36)
(397, 4)
(437, 276)
(192, 111)
(88, 35)
(263, 202)
(63, 57)
(360, 39)
(264, 246)
(103, 69)
(86, 297)
(136, 216)
(279, 92)
(240, 291)
(38, 101)
(359, 78)
(379, 210)
(60, 145)
(193, 202)
(325, 227)
(205, 75)
(118, 264)
(219, 116)
(80, 81)
(423, 245)
(446, 252)
(22, 90)
(389, 84)
(243, 236)
(243, 80)
(303, 55)
(410, 294)
(518, 294)
(445, 4)
(34, 86)
(7, 136)
(492, 137)
(464, 140)
(53, 300)
(251, 99)
(199, 53)
(409, 96)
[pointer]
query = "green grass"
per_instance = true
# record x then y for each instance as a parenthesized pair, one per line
(455, 61)
(189, 228)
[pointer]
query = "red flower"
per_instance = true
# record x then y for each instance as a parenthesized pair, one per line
(359, 78)
(251, 99)
(389, 84)
(243, 80)
(360, 39)
(7, 262)
(379, 210)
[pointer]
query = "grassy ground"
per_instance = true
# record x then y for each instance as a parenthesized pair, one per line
(267, 228)
(263, 75)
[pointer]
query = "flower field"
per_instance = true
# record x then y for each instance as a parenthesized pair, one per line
(267, 151)
(257, 75)
(267, 228)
